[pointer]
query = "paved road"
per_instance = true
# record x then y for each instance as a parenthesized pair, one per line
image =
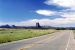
(57, 41)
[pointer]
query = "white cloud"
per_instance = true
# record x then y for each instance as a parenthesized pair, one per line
(64, 3)
(45, 12)
(68, 15)
(34, 21)
(48, 22)
(45, 22)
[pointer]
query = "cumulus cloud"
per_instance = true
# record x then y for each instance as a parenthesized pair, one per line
(45, 12)
(64, 3)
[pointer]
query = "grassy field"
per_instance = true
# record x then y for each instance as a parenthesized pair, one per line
(8, 35)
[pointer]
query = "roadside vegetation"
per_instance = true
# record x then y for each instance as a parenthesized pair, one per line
(74, 33)
(8, 35)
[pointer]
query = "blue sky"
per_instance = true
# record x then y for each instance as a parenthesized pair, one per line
(18, 10)
(30, 11)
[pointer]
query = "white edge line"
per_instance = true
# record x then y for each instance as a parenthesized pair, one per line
(68, 43)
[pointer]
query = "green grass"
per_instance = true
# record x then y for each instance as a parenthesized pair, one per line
(8, 35)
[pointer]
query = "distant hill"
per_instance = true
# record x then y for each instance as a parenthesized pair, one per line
(37, 27)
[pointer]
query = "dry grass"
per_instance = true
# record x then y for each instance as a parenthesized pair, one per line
(8, 35)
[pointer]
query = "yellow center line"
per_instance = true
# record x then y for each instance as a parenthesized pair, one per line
(35, 43)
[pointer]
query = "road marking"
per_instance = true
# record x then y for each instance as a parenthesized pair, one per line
(36, 43)
(68, 42)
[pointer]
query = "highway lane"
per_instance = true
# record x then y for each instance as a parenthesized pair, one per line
(56, 41)
(71, 42)
(60, 42)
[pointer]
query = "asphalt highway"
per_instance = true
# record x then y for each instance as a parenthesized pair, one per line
(62, 40)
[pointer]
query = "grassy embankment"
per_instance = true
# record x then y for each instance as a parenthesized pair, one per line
(8, 35)
(74, 33)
